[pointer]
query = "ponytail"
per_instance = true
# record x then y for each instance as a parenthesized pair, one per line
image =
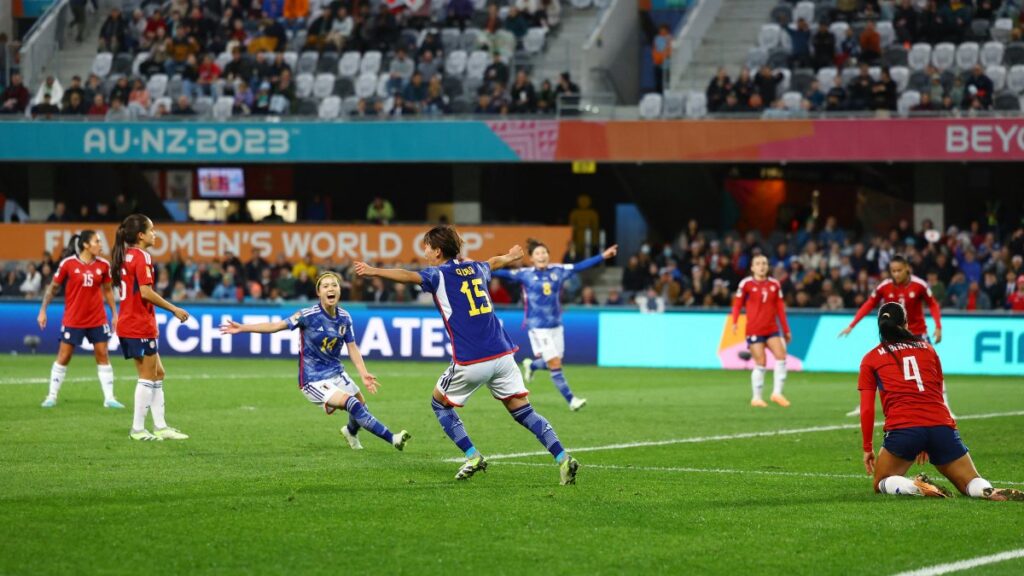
(77, 243)
(127, 235)
(117, 255)
(892, 320)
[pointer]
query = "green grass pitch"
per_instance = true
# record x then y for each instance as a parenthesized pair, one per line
(266, 484)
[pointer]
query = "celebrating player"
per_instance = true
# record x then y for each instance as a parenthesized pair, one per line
(542, 285)
(910, 291)
(322, 377)
(907, 373)
(137, 331)
(762, 297)
(482, 352)
(84, 276)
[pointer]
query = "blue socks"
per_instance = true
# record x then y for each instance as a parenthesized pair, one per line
(353, 426)
(358, 412)
(559, 378)
(539, 364)
(541, 429)
(452, 426)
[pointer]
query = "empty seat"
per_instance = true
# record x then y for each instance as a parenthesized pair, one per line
(894, 56)
(581, 4)
(886, 32)
(291, 59)
(920, 56)
(1007, 101)
(203, 105)
(330, 108)
(1013, 54)
(366, 85)
(826, 76)
(908, 100)
(452, 86)
(756, 57)
(328, 63)
(304, 85)
(323, 86)
(1015, 78)
(778, 58)
(997, 74)
(157, 86)
(122, 64)
(901, 76)
(801, 81)
(383, 90)
(804, 10)
(344, 86)
(175, 86)
(650, 106)
(980, 29)
(838, 29)
(967, 55)
(470, 40)
(455, 65)
(450, 39)
(222, 108)
(992, 53)
(308, 107)
(919, 80)
(371, 62)
(349, 105)
(1002, 30)
(781, 14)
(307, 62)
(673, 104)
(944, 55)
(477, 64)
(770, 36)
(102, 64)
(696, 105)
(348, 66)
(533, 42)
(792, 101)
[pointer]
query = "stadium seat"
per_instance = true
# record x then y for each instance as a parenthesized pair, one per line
(894, 56)
(471, 85)
(371, 62)
(348, 66)
(887, 33)
(136, 63)
(1013, 54)
(477, 64)
(122, 64)
(505, 43)
(980, 29)
(470, 39)
(602, 3)
(366, 85)
(223, 107)
(849, 74)
(409, 39)
(581, 4)
(875, 72)
(388, 104)
(1007, 101)
(781, 14)
(382, 85)
(920, 56)
(997, 74)
(452, 86)
(308, 107)
(801, 80)
(461, 105)
(328, 63)
(323, 85)
(450, 39)
(298, 41)
(943, 55)
(673, 104)
(650, 106)
(804, 10)
(967, 55)
(203, 105)
(223, 58)
(330, 108)
(456, 63)
(769, 37)
(167, 103)
(826, 76)
(349, 105)
(756, 57)
(992, 53)
(157, 86)
(919, 81)
(175, 86)
(1002, 30)
(307, 63)
(783, 85)
(344, 87)
(778, 58)
(1015, 79)
(102, 64)
(838, 29)
(908, 100)
(696, 105)
(279, 105)
(792, 101)
(533, 42)
(291, 59)
(304, 85)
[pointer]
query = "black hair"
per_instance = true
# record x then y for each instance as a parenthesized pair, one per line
(897, 259)
(77, 243)
(127, 235)
(446, 239)
(532, 244)
(892, 317)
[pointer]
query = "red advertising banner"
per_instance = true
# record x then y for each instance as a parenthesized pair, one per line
(323, 242)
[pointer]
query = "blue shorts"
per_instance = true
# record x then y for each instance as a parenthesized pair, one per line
(74, 336)
(139, 347)
(761, 339)
(942, 443)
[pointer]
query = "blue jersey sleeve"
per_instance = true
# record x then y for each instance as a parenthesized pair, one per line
(485, 270)
(350, 331)
(571, 269)
(429, 280)
(297, 320)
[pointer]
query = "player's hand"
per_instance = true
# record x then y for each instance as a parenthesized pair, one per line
(846, 332)
(789, 337)
(610, 252)
(370, 381)
(921, 459)
(181, 315)
(735, 327)
(363, 269)
(938, 335)
(113, 324)
(41, 319)
(231, 327)
(869, 462)
(516, 252)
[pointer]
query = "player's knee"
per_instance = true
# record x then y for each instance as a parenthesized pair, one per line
(554, 363)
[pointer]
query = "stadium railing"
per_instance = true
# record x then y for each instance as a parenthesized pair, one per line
(43, 41)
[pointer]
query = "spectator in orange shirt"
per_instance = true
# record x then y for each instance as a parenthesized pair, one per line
(870, 44)
(661, 51)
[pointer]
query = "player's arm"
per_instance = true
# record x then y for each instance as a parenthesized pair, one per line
(233, 327)
(781, 311)
(153, 297)
(48, 295)
(865, 308)
(595, 260)
(737, 304)
(369, 380)
(499, 262)
(393, 274)
(866, 385)
(936, 310)
(505, 274)
(108, 295)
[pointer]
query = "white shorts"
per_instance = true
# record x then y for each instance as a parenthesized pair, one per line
(548, 343)
(320, 392)
(501, 376)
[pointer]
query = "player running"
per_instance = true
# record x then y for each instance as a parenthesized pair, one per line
(482, 352)
(84, 276)
(136, 328)
(542, 286)
(322, 377)
(908, 374)
(913, 293)
(762, 297)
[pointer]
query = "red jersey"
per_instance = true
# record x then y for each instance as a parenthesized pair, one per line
(913, 295)
(1016, 301)
(137, 319)
(908, 376)
(763, 300)
(83, 291)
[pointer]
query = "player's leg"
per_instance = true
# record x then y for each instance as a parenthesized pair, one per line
(338, 399)
(890, 475)
(453, 390)
(145, 366)
(962, 473)
(757, 374)
(160, 427)
(553, 354)
(106, 374)
(57, 373)
(778, 347)
(897, 455)
(350, 430)
(530, 365)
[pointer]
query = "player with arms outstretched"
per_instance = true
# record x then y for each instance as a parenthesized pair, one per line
(482, 352)
(911, 292)
(322, 377)
(136, 328)
(542, 286)
(86, 281)
(907, 373)
(761, 295)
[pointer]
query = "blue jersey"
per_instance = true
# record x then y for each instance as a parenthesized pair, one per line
(541, 290)
(322, 337)
(460, 294)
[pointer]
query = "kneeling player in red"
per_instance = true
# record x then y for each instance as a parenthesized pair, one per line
(762, 297)
(908, 374)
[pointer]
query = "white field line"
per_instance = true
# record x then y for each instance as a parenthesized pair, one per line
(128, 375)
(687, 470)
(965, 564)
(722, 437)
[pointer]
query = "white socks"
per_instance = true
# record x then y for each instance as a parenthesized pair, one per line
(106, 373)
(157, 408)
(757, 381)
(780, 377)
(898, 486)
(57, 373)
(143, 399)
(976, 488)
